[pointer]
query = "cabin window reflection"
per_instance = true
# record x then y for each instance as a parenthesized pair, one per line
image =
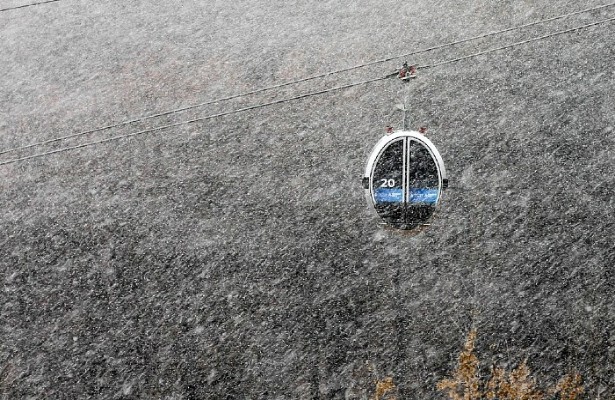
(387, 184)
(389, 167)
(422, 168)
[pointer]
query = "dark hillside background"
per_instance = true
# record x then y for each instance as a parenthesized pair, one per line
(236, 257)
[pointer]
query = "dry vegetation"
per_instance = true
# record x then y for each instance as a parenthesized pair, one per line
(384, 387)
(467, 384)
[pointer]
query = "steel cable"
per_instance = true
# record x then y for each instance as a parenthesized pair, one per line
(284, 84)
(27, 5)
(500, 48)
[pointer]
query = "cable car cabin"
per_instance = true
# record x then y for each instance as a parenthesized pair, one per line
(404, 178)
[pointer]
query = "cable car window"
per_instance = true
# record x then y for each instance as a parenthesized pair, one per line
(423, 180)
(388, 181)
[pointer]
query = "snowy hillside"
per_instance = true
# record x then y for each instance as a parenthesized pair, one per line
(236, 257)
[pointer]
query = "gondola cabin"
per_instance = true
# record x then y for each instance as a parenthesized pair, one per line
(404, 179)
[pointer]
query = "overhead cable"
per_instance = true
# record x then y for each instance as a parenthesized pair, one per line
(284, 84)
(63, 149)
(27, 5)
(508, 46)
(306, 95)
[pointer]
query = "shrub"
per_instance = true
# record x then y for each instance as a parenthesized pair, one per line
(466, 383)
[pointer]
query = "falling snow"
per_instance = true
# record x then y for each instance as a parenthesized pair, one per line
(236, 257)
